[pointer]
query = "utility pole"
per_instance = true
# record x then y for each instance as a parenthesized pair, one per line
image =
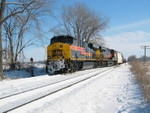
(145, 47)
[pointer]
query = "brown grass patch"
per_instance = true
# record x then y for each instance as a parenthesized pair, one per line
(141, 70)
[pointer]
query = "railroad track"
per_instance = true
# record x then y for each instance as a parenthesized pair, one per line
(12, 102)
(48, 82)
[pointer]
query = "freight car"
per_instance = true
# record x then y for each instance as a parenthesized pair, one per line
(65, 53)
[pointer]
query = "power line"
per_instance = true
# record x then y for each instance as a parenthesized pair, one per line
(145, 48)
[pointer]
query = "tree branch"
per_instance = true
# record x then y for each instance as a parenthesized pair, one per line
(15, 13)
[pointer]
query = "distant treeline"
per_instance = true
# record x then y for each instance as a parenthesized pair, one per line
(134, 58)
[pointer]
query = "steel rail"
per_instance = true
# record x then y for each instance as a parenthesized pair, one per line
(62, 80)
(55, 91)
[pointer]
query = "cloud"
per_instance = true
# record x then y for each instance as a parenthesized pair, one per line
(129, 43)
(132, 25)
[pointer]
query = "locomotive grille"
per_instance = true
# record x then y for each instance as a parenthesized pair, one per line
(57, 54)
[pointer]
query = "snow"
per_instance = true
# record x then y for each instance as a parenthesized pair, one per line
(115, 91)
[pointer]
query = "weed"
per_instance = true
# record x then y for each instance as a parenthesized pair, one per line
(140, 69)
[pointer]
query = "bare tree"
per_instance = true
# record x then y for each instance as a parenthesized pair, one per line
(15, 9)
(81, 22)
(98, 40)
(14, 38)
(2, 9)
(132, 58)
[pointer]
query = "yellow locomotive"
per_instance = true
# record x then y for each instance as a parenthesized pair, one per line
(65, 53)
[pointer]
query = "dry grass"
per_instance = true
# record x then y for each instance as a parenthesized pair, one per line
(142, 73)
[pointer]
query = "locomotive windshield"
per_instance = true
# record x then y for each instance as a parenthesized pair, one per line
(62, 39)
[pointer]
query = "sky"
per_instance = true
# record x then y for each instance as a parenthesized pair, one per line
(128, 26)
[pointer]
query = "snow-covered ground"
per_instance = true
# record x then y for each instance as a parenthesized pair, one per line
(39, 70)
(116, 91)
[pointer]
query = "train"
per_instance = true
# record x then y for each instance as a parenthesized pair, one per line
(66, 54)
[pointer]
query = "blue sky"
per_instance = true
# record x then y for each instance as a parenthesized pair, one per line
(128, 27)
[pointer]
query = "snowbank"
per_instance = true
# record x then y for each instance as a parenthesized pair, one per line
(115, 92)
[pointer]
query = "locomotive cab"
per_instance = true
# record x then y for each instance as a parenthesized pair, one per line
(57, 53)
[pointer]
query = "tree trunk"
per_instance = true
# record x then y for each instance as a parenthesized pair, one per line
(1, 62)
(12, 62)
(2, 9)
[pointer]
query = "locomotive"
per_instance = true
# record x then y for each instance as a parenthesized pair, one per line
(65, 54)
